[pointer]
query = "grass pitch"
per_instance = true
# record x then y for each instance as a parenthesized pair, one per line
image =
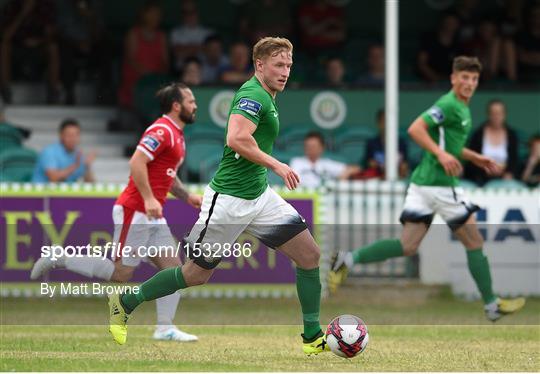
(431, 332)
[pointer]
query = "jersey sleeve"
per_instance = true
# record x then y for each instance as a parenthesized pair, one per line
(250, 104)
(154, 141)
(437, 114)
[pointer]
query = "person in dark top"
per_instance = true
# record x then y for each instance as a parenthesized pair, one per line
(495, 139)
(528, 47)
(531, 173)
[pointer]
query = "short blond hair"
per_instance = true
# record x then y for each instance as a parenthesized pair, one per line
(270, 46)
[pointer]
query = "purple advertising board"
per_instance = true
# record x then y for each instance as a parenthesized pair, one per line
(29, 221)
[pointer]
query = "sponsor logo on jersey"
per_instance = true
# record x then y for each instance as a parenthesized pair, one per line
(251, 106)
(436, 114)
(151, 142)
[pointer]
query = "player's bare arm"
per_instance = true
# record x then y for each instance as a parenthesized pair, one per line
(418, 131)
(241, 140)
(139, 173)
(487, 164)
(179, 191)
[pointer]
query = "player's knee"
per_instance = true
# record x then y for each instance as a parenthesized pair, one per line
(198, 279)
(410, 249)
(310, 258)
(121, 276)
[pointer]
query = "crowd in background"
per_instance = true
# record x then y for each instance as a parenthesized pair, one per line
(70, 41)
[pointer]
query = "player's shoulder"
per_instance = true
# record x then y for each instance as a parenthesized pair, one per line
(447, 100)
(253, 90)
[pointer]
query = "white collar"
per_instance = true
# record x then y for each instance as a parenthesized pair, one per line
(172, 121)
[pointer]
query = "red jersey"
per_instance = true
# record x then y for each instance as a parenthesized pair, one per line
(163, 142)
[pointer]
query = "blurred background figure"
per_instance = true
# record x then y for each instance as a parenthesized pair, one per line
(335, 73)
(63, 161)
(145, 51)
(531, 172)
(314, 169)
(259, 18)
(438, 49)
(28, 37)
(374, 76)
(528, 46)
(497, 140)
(84, 47)
(212, 59)
(192, 72)
(240, 67)
(374, 158)
(188, 38)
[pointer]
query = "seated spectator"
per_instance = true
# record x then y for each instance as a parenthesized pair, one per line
(496, 140)
(335, 73)
(240, 68)
(497, 55)
(212, 59)
(374, 158)
(434, 61)
(467, 13)
(27, 29)
(145, 51)
(187, 39)
(375, 62)
(192, 72)
(63, 161)
(259, 19)
(83, 46)
(21, 132)
(528, 47)
(321, 26)
(531, 173)
(313, 169)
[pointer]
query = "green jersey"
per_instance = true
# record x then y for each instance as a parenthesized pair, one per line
(237, 176)
(449, 125)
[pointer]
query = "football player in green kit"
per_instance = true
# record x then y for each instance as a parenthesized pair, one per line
(442, 132)
(238, 199)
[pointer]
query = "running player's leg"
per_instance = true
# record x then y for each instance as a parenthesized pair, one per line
(166, 306)
(416, 217)
(478, 264)
(278, 225)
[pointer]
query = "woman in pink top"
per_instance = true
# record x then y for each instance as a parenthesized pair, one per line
(145, 51)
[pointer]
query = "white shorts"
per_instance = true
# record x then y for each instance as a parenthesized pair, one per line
(423, 202)
(136, 234)
(224, 217)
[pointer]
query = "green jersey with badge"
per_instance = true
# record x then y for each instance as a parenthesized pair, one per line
(449, 124)
(237, 176)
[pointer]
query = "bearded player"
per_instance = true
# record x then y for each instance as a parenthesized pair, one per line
(138, 211)
(442, 132)
(239, 199)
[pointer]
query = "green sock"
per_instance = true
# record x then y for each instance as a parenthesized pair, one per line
(308, 286)
(164, 283)
(378, 251)
(479, 268)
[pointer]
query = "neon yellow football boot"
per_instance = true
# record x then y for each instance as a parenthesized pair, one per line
(316, 345)
(117, 319)
(504, 307)
(338, 271)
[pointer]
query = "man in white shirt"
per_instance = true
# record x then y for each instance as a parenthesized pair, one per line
(313, 169)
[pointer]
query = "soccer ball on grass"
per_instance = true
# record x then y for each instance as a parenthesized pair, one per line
(347, 336)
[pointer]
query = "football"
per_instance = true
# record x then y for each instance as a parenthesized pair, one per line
(347, 336)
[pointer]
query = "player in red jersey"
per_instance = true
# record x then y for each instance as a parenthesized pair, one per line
(137, 213)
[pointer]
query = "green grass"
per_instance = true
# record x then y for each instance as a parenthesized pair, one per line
(409, 331)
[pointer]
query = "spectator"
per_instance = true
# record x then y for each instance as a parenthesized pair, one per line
(434, 62)
(313, 169)
(20, 132)
(63, 161)
(259, 19)
(531, 173)
(322, 27)
(375, 62)
(188, 38)
(528, 46)
(335, 73)
(212, 59)
(374, 158)
(495, 53)
(83, 46)
(192, 72)
(145, 51)
(495, 139)
(468, 15)
(28, 36)
(239, 68)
